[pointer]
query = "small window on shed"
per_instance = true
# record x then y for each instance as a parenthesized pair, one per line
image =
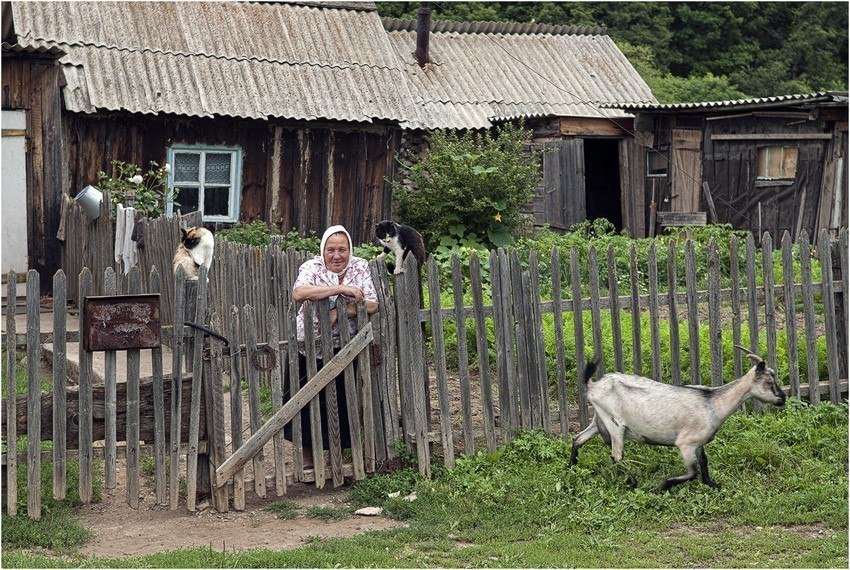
(777, 163)
(656, 162)
(206, 179)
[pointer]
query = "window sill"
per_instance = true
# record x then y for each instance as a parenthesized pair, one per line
(761, 183)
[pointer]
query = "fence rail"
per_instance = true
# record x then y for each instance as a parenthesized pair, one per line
(504, 354)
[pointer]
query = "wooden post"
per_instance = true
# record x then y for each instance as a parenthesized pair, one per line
(637, 360)
(653, 313)
(483, 352)
(253, 376)
(158, 408)
(614, 300)
(736, 305)
(331, 402)
(693, 308)
(808, 310)
(276, 381)
(34, 399)
(578, 327)
(85, 433)
(197, 381)
(714, 331)
(825, 252)
(790, 314)
(133, 447)
(11, 399)
(176, 387)
(438, 341)
(236, 407)
(110, 287)
(59, 383)
(672, 283)
(462, 356)
(557, 313)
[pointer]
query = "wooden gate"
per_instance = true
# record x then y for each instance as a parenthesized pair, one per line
(686, 170)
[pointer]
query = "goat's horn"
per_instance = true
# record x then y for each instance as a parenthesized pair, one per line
(754, 357)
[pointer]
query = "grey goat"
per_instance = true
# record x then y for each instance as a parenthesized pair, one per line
(640, 409)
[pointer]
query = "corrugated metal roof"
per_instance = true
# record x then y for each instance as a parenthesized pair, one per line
(221, 58)
(517, 75)
(778, 100)
(477, 27)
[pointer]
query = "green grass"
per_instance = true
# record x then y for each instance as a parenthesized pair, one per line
(326, 513)
(284, 509)
(783, 503)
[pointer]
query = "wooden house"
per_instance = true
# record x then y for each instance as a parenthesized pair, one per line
(773, 164)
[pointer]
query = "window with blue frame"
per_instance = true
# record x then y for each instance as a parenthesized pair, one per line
(206, 179)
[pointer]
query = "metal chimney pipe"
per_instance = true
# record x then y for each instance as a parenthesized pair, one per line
(423, 34)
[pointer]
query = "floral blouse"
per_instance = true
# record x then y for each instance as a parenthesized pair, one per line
(314, 272)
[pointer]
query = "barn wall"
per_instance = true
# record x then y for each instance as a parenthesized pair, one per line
(293, 175)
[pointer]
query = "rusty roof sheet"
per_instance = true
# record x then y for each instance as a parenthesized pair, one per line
(517, 75)
(839, 97)
(253, 60)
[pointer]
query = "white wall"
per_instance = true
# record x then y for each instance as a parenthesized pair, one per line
(13, 191)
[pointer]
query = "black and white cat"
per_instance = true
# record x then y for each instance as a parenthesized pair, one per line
(194, 250)
(400, 240)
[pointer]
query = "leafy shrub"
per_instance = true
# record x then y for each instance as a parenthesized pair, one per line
(256, 233)
(150, 189)
(470, 188)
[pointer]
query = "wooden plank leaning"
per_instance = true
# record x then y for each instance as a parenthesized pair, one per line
(790, 314)
(159, 449)
(809, 318)
(133, 445)
(558, 317)
(85, 434)
(177, 347)
(284, 415)
(34, 400)
(439, 345)
(195, 419)
(60, 382)
(483, 352)
(11, 398)
(110, 287)
(825, 252)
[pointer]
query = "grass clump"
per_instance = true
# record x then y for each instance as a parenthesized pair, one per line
(283, 509)
(327, 513)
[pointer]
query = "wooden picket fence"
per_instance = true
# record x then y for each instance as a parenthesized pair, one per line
(513, 378)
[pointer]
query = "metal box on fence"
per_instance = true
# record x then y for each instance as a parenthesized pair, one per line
(121, 322)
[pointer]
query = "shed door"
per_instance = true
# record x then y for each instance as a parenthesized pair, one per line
(14, 184)
(686, 170)
(563, 183)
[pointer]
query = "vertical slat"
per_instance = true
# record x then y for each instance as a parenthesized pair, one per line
(133, 364)
(614, 300)
(11, 399)
(825, 250)
(538, 345)
(752, 295)
(294, 386)
(736, 304)
(483, 352)
(352, 402)
(596, 319)
(500, 340)
(809, 314)
(386, 388)
(845, 295)
(578, 327)
(60, 286)
(85, 394)
(378, 405)
(693, 311)
(215, 416)
(110, 287)
(523, 368)
(557, 313)
(438, 340)
(236, 407)
(405, 385)
(364, 373)
(331, 401)
(34, 398)
(315, 417)
(410, 297)
(672, 281)
(714, 314)
(177, 347)
(158, 407)
(462, 357)
(276, 380)
(790, 314)
(528, 325)
(653, 313)
(634, 278)
(509, 332)
(769, 300)
(195, 409)
(249, 325)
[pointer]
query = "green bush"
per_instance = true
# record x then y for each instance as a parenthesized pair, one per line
(256, 233)
(470, 188)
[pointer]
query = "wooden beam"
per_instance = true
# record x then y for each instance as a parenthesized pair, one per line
(681, 218)
(590, 127)
(771, 136)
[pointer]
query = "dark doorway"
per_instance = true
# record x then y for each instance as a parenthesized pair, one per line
(602, 180)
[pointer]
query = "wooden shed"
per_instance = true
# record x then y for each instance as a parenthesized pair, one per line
(770, 164)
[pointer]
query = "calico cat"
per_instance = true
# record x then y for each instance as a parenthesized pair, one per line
(400, 240)
(195, 249)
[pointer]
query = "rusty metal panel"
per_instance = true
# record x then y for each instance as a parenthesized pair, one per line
(121, 322)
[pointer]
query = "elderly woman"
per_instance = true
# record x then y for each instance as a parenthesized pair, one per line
(335, 271)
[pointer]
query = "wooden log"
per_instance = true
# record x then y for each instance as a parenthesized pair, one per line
(85, 432)
(672, 282)
(578, 327)
(462, 357)
(790, 314)
(236, 375)
(613, 295)
(439, 345)
(110, 287)
(809, 317)
(215, 419)
(331, 402)
(367, 435)
(284, 415)
(315, 417)
(34, 400)
(563, 410)
(653, 313)
(714, 330)
(11, 394)
(523, 366)
(158, 408)
(825, 251)
(483, 353)
(133, 364)
(538, 343)
(769, 303)
(255, 417)
(276, 381)
(693, 308)
(60, 298)
(637, 360)
(177, 347)
(735, 295)
(197, 380)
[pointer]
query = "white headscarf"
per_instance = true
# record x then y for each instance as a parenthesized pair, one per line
(328, 233)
